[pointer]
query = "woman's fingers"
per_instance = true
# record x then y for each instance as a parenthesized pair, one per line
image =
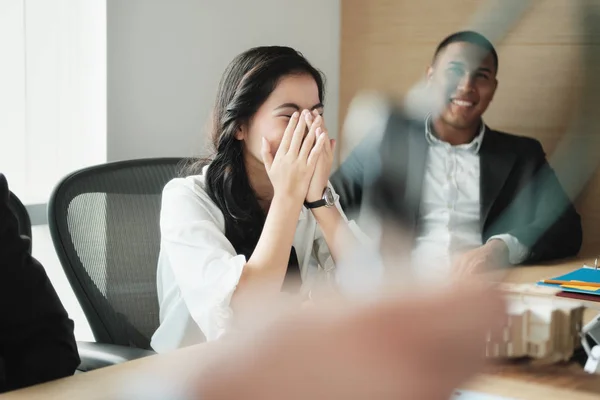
(265, 152)
(298, 134)
(329, 146)
(316, 151)
(316, 113)
(311, 138)
(329, 143)
(289, 133)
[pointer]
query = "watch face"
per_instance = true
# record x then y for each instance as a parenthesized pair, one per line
(329, 197)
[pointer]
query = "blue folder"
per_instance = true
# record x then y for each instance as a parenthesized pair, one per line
(584, 274)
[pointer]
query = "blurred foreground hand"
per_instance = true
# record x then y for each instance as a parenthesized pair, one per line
(413, 347)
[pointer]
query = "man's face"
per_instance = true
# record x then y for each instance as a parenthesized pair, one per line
(464, 77)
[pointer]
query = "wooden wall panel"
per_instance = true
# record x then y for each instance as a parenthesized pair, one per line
(386, 45)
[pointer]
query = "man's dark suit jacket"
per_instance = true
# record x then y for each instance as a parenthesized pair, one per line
(37, 343)
(520, 194)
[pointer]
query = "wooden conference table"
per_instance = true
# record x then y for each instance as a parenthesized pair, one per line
(517, 381)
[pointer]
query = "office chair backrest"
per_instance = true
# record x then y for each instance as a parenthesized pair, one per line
(18, 209)
(104, 222)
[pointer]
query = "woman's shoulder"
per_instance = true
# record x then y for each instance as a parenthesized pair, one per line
(190, 193)
(194, 184)
(193, 180)
(191, 185)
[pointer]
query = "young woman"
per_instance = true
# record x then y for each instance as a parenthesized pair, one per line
(260, 213)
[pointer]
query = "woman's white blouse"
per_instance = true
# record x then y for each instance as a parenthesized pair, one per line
(198, 268)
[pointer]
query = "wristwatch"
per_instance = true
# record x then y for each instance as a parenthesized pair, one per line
(328, 200)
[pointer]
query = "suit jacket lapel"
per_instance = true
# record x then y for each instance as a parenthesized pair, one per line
(496, 162)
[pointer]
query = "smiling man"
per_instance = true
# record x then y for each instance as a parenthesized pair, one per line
(481, 198)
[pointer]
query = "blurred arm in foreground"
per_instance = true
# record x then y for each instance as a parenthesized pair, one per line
(417, 347)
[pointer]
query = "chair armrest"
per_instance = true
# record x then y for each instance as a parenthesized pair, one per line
(98, 355)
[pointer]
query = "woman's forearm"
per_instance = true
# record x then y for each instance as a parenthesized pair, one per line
(333, 226)
(267, 266)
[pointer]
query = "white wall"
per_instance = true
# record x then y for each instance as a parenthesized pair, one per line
(52, 91)
(165, 58)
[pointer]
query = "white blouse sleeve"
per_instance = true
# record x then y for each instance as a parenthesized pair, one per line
(204, 263)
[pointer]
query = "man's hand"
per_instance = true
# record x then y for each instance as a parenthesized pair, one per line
(490, 256)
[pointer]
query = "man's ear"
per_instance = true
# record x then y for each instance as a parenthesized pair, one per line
(429, 73)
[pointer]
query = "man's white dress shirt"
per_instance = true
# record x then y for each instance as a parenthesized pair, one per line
(450, 209)
(198, 268)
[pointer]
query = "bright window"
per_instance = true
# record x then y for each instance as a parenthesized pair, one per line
(53, 96)
(52, 109)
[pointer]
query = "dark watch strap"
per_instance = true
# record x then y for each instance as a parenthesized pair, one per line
(315, 204)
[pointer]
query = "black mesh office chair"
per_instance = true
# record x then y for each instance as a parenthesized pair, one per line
(104, 222)
(19, 210)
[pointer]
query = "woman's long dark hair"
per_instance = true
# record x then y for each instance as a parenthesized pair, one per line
(246, 84)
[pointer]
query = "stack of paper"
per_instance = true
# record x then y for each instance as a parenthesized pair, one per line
(538, 327)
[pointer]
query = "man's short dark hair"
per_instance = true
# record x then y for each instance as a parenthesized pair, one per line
(469, 37)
